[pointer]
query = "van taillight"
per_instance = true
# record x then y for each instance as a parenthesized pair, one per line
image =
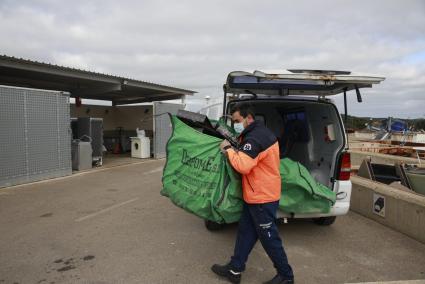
(345, 170)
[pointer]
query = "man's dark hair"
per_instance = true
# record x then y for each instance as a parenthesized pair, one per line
(243, 109)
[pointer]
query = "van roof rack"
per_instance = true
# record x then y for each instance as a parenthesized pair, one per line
(322, 72)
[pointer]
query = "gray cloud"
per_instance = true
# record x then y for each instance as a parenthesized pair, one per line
(194, 44)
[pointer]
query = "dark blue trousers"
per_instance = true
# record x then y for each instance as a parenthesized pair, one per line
(258, 221)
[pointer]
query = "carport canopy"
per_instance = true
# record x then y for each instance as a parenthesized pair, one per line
(83, 84)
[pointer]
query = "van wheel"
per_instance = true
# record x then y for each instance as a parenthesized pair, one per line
(213, 226)
(324, 221)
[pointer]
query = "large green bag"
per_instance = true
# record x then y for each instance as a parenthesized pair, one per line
(199, 179)
(300, 192)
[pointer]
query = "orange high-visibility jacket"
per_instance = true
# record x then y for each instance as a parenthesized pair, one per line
(257, 159)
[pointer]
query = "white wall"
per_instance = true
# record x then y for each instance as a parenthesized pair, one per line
(128, 117)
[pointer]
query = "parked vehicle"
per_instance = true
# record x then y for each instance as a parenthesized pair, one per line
(296, 106)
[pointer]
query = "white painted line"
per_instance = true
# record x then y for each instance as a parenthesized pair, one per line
(154, 171)
(419, 281)
(106, 210)
(109, 168)
(78, 174)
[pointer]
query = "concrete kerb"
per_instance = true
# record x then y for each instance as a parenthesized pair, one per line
(404, 211)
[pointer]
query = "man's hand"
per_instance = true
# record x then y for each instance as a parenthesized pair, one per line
(224, 146)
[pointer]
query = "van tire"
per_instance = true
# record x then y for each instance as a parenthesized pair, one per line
(324, 221)
(213, 226)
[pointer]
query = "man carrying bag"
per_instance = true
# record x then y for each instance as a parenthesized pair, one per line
(257, 160)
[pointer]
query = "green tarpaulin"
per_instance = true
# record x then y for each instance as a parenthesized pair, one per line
(300, 192)
(199, 179)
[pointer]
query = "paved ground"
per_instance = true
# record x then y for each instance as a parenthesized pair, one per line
(112, 226)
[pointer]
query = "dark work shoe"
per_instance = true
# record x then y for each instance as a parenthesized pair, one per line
(228, 272)
(280, 280)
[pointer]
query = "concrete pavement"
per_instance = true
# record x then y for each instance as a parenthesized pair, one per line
(112, 226)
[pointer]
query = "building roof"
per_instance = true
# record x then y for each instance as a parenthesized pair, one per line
(84, 84)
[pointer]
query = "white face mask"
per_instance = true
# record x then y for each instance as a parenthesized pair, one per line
(238, 127)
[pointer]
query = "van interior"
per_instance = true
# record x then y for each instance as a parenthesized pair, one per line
(309, 132)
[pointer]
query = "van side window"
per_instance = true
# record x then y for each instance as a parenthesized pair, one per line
(294, 130)
(295, 126)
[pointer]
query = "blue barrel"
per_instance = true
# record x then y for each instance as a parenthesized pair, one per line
(399, 126)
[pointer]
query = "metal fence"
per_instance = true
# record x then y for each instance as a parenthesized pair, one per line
(162, 126)
(35, 139)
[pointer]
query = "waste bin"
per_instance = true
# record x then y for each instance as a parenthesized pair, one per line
(81, 155)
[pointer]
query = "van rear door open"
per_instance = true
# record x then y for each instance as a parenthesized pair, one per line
(298, 82)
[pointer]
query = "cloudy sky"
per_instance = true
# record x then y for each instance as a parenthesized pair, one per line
(194, 44)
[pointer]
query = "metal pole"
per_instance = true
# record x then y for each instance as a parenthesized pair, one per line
(345, 106)
(224, 99)
(359, 96)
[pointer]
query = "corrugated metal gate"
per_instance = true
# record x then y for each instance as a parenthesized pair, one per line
(35, 137)
(162, 126)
